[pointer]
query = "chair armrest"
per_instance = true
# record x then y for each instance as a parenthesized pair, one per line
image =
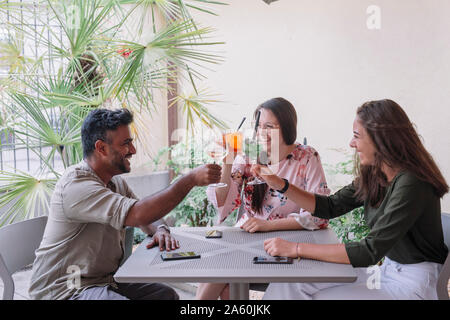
(128, 243)
(444, 276)
(8, 282)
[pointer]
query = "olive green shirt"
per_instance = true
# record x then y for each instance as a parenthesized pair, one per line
(84, 234)
(406, 227)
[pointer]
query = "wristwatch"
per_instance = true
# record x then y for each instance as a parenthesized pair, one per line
(286, 186)
(163, 226)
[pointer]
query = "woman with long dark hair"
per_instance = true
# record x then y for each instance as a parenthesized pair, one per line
(265, 208)
(400, 187)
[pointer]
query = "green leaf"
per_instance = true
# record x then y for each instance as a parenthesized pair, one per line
(25, 194)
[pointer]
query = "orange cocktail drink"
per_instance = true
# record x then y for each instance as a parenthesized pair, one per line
(234, 141)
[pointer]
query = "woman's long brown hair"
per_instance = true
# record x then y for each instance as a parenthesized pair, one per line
(397, 145)
(286, 115)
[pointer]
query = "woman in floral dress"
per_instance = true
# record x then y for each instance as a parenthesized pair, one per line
(266, 209)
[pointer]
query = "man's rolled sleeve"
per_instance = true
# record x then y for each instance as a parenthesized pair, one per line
(87, 200)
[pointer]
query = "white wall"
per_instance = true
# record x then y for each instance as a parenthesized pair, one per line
(320, 55)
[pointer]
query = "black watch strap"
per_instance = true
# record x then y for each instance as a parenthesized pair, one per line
(286, 186)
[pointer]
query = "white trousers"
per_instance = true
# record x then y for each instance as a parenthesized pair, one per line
(391, 281)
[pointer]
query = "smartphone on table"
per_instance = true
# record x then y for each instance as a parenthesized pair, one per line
(166, 256)
(272, 260)
(213, 234)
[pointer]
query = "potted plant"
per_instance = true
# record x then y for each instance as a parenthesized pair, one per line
(351, 226)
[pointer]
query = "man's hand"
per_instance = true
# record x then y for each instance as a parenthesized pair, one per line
(281, 248)
(254, 224)
(206, 174)
(164, 239)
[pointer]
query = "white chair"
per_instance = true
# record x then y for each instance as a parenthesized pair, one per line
(18, 242)
(444, 276)
(142, 186)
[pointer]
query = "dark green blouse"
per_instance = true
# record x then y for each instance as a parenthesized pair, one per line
(406, 227)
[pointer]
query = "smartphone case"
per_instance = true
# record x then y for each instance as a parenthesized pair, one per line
(272, 260)
(178, 256)
(213, 234)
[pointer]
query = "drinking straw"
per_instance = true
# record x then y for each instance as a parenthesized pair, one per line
(256, 124)
(241, 124)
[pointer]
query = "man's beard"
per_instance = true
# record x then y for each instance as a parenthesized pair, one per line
(121, 166)
(119, 163)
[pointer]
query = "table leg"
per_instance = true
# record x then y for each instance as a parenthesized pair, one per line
(239, 291)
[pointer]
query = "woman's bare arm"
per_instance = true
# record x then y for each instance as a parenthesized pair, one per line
(222, 193)
(335, 253)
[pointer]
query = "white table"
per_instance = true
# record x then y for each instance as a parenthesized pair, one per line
(230, 260)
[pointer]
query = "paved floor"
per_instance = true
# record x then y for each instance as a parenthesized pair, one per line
(186, 291)
(22, 280)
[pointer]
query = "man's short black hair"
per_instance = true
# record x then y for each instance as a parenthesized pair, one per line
(98, 122)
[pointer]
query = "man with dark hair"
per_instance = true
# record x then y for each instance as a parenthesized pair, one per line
(98, 122)
(90, 207)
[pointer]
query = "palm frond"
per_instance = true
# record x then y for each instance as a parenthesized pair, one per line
(10, 5)
(24, 194)
(173, 44)
(82, 22)
(36, 124)
(195, 106)
(11, 55)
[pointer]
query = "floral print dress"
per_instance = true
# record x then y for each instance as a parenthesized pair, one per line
(302, 167)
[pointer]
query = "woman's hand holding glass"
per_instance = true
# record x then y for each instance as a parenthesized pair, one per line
(264, 173)
(233, 141)
(224, 149)
(256, 154)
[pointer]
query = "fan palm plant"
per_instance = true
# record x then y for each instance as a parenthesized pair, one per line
(12, 56)
(91, 63)
(194, 105)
